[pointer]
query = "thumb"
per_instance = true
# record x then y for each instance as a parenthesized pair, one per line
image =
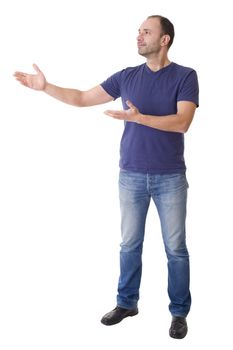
(37, 69)
(130, 105)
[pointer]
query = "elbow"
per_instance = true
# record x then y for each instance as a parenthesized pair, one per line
(184, 121)
(77, 103)
(183, 127)
(182, 130)
(78, 99)
(186, 127)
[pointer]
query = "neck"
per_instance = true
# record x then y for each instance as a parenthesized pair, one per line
(156, 63)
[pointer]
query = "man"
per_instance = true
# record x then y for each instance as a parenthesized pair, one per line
(159, 99)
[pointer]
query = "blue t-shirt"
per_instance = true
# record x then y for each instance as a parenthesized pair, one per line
(145, 149)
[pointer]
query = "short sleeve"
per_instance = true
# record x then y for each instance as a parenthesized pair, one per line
(112, 85)
(189, 90)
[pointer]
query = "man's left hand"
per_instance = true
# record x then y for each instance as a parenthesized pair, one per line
(130, 115)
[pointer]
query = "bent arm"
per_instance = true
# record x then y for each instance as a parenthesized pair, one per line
(179, 122)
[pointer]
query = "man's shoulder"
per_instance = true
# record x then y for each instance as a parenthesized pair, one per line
(180, 68)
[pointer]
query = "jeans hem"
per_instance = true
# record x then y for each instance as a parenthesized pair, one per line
(123, 306)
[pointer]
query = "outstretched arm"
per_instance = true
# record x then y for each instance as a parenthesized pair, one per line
(94, 96)
(178, 122)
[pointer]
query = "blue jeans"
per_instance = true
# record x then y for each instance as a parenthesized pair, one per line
(169, 193)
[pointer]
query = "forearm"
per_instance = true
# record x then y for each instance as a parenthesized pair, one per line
(69, 96)
(172, 122)
(178, 122)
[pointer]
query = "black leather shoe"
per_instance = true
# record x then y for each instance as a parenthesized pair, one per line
(179, 328)
(117, 315)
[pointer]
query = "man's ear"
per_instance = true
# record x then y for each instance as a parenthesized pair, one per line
(165, 40)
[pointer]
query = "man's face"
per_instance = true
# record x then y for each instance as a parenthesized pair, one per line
(149, 37)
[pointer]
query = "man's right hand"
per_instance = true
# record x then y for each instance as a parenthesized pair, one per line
(33, 81)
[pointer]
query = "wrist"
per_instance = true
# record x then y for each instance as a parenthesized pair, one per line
(45, 88)
(139, 119)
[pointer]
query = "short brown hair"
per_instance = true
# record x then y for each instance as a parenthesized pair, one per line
(167, 27)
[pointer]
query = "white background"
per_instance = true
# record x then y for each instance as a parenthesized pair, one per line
(59, 214)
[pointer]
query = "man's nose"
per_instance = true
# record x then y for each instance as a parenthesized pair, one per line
(139, 38)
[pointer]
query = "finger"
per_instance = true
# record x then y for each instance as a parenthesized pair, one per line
(108, 112)
(37, 69)
(22, 81)
(19, 74)
(115, 116)
(129, 104)
(114, 113)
